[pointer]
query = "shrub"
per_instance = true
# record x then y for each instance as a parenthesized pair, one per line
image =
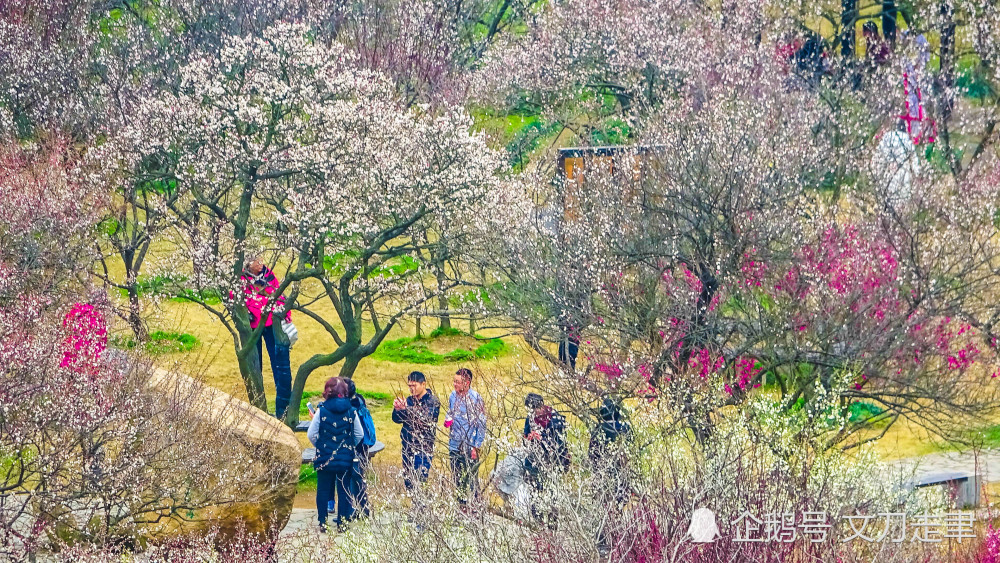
(209, 296)
(161, 342)
(307, 479)
(406, 350)
(165, 285)
(130, 442)
(491, 349)
(862, 411)
(445, 331)
(156, 285)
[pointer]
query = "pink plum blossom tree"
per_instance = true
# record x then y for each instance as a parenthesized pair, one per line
(674, 258)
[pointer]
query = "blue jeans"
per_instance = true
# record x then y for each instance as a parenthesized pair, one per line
(333, 486)
(415, 465)
(281, 368)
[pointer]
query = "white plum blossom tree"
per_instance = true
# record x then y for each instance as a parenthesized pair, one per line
(282, 142)
(712, 255)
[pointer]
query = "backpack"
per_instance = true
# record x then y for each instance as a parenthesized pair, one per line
(367, 423)
(613, 422)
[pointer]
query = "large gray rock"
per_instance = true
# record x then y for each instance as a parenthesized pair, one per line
(204, 461)
(265, 506)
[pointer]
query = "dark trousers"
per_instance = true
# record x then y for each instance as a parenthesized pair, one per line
(333, 485)
(280, 366)
(466, 472)
(359, 487)
(569, 347)
(416, 467)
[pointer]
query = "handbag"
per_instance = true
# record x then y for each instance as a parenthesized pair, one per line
(293, 333)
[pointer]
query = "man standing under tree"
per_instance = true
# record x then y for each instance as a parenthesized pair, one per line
(418, 414)
(467, 421)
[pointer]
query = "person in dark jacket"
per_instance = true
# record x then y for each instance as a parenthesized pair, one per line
(545, 431)
(569, 345)
(359, 487)
(606, 450)
(335, 430)
(877, 50)
(418, 414)
(611, 425)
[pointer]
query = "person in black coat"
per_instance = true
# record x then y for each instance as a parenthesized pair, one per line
(545, 432)
(335, 430)
(611, 427)
(359, 487)
(418, 414)
(607, 451)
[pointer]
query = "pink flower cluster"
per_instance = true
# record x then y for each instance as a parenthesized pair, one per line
(989, 551)
(613, 371)
(860, 382)
(746, 369)
(956, 345)
(753, 270)
(86, 339)
(843, 262)
(703, 363)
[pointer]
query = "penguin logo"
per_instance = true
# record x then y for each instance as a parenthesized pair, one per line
(703, 528)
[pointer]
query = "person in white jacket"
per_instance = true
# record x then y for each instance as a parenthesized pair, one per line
(895, 165)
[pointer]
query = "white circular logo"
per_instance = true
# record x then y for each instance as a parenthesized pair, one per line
(703, 528)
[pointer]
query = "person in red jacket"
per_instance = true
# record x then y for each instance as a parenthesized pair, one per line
(877, 49)
(259, 284)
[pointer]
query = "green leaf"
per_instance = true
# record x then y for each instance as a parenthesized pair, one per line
(766, 302)
(109, 226)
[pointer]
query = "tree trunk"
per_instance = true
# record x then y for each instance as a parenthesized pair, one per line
(131, 279)
(350, 365)
(945, 84)
(889, 21)
(445, 318)
(251, 370)
(134, 318)
(848, 18)
(472, 325)
(302, 375)
(419, 331)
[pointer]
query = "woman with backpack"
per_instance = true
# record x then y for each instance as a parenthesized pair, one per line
(359, 488)
(336, 431)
